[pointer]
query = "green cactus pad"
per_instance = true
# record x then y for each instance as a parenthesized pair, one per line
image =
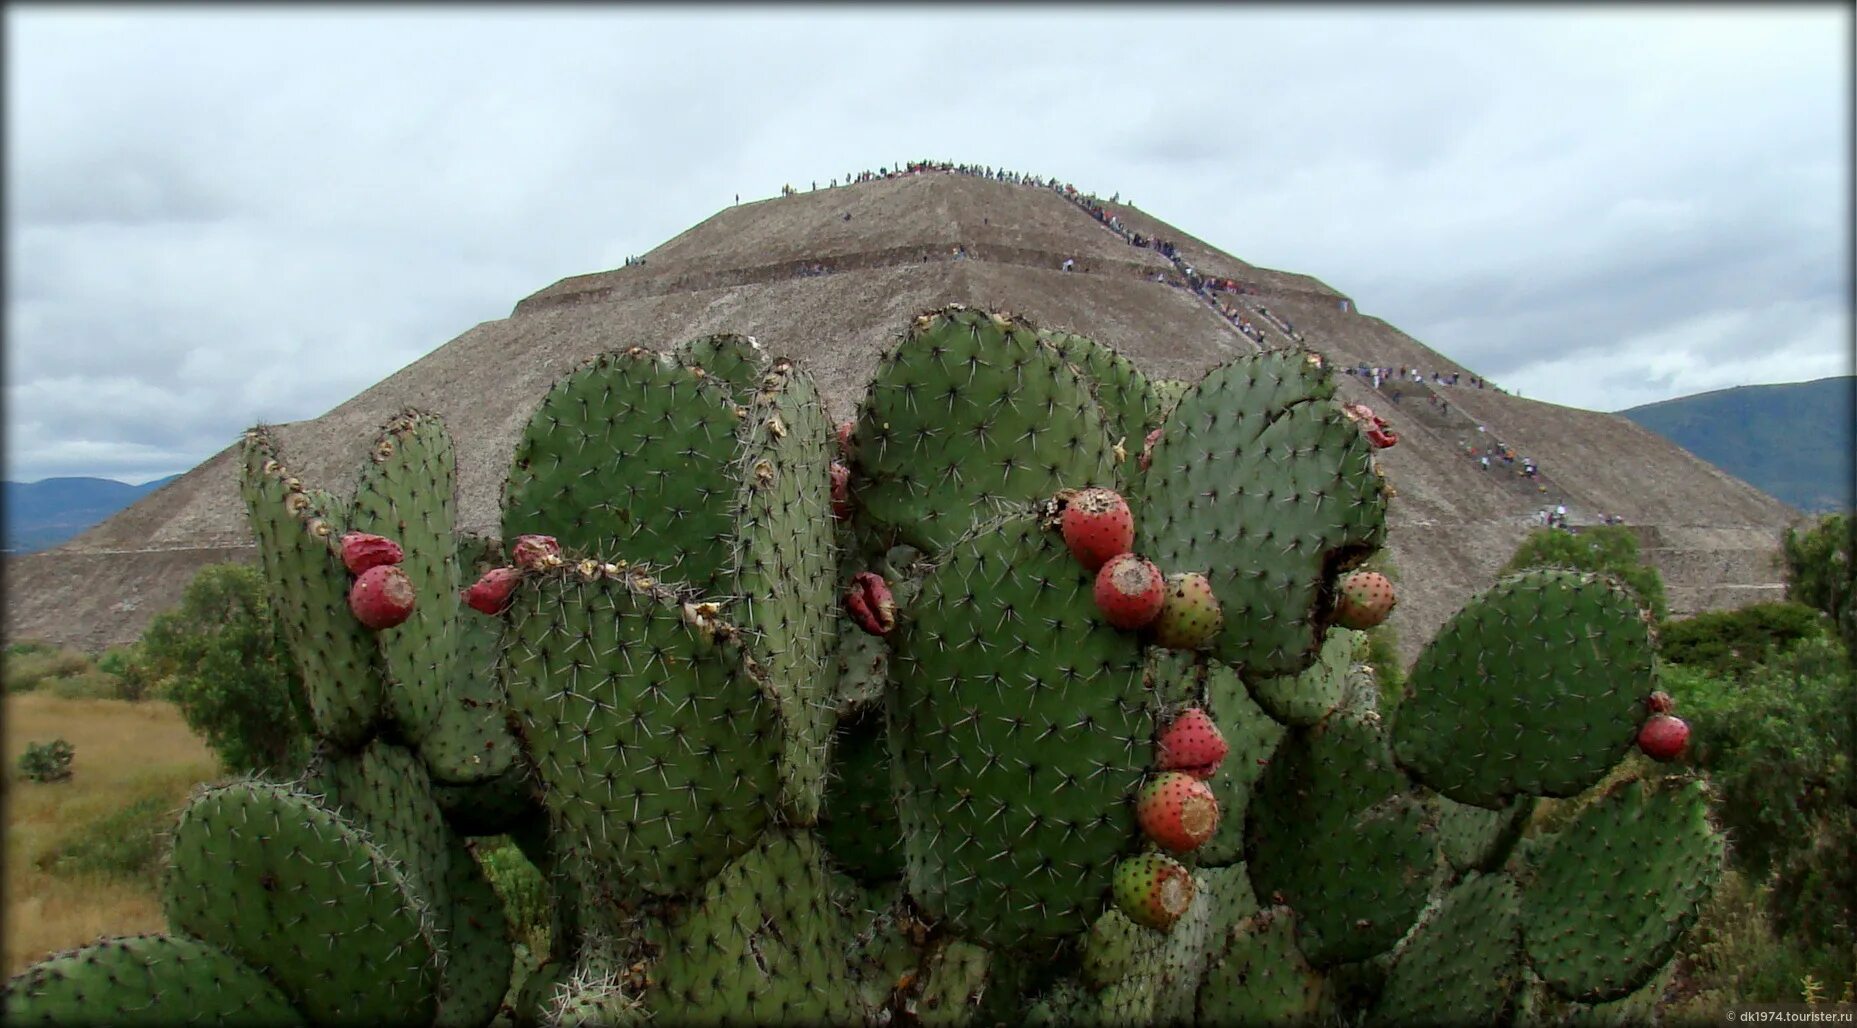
(786, 571)
(534, 1003)
(952, 984)
(1334, 830)
(862, 663)
(1258, 976)
(1535, 687)
(1618, 887)
(858, 824)
(650, 729)
(971, 412)
(1462, 964)
(1261, 483)
(762, 944)
(271, 876)
(408, 492)
(339, 660)
(1146, 976)
(735, 362)
(145, 980)
(1128, 402)
(631, 456)
(478, 956)
(1479, 839)
(1250, 737)
(1307, 696)
(1020, 730)
(470, 741)
(384, 791)
(1175, 678)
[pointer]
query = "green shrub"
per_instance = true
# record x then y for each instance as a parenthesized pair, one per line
(1821, 570)
(221, 659)
(31, 670)
(1730, 643)
(1610, 549)
(87, 685)
(128, 843)
(1777, 744)
(47, 762)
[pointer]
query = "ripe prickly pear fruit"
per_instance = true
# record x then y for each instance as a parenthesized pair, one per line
(533, 552)
(1363, 600)
(1192, 744)
(1190, 616)
(1663, 737)
(841, 491)
(871, 604)
(1098, 525)
(845, 429)
(1129, 591)
(1147, 450)
(381, 597)
(1153, 889)
(1177, 811)
(1660, 702)
(362, 550)
(490, 594)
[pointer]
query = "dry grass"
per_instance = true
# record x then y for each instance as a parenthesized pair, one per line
(125, 752)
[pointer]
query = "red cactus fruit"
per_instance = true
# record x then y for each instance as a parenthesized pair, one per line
(361, 551)
(1663, 737)
(1129, 591)
(1147, 450)
(1177, 811)
(1097, 526)
(1190, 616)
(381, 597)
(1660, 702)
(490, 594)
(1153, 889)
(871, 604)
(531, 552)
(1193, 744)
(841, 491)
(845, 430)
(1363, 600)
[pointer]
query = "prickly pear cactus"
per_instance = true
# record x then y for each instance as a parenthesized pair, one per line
(754, 802)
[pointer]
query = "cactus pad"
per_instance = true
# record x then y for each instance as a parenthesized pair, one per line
(1252, 737)
(1128, 403)
(630, 456)
(145, 981)
(1258, 976)
(762, 944)
(649, 727)
(469, 740)
(266, 873)
(1020, 731)
(1535, 687)
(785, 571)
(1619, 886)
(339, 660)
(478, 955)
(1463, 964)
(1307, 696)
(408, 492)
(1261, 483)
(969, 412)
(1336, 831)
(1479, 839)
(736, 362)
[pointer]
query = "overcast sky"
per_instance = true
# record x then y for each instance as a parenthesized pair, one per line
(218, 218)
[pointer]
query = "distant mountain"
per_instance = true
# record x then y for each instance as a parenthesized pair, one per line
(1792, 441)
(42, 514)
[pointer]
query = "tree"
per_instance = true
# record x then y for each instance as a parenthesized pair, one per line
(1608, 549)
(1819, 567)
(223, 656)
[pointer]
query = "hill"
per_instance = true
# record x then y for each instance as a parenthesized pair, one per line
(1792, 440)
(45, 513)
(830, 278)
